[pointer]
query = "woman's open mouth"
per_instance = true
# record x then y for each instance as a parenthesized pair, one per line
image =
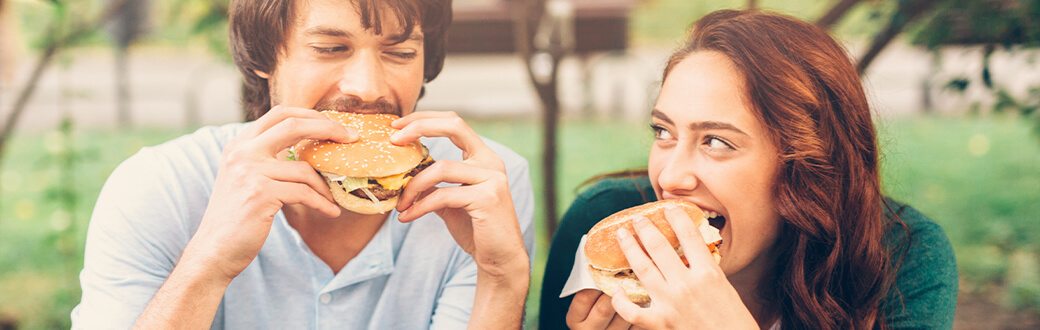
(715, 219)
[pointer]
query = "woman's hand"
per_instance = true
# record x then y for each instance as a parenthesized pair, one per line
(694, 297)
(591, 309)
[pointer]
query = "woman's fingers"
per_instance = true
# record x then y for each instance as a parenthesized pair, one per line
(690, 238)
(618, 323)
(600, 314)
(637, 316)
(660, 250)
(641, 264)
(581, 306)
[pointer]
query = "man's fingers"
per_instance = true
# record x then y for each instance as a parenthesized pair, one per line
(690, 238)
(447, 171)
(641, 264)
(404, 121)
(581, 305)
(296, 171)
(290, 131)
(438, 199)
(275, 116)
(661, 252)
(453, 128)
(298, 193)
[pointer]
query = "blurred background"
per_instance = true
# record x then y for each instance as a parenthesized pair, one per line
(955, 85)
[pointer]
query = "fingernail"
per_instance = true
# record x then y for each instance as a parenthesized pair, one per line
(396, 136)
(641, 221)
(622, 233)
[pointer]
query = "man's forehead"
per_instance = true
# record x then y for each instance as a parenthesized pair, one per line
(344, 18)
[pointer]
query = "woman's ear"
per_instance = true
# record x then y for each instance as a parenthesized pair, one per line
(262, 74)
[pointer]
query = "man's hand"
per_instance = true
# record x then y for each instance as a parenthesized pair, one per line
(478, 212)
(251, 186)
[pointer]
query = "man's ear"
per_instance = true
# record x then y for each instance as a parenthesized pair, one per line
(262, 74)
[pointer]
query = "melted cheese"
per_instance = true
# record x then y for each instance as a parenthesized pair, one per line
(394, 182)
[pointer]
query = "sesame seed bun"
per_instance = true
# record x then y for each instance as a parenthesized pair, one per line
(371, 156)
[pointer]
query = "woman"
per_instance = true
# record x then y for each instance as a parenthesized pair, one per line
(762, 119)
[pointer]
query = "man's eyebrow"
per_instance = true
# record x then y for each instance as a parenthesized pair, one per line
(327, 31)
(400, 37)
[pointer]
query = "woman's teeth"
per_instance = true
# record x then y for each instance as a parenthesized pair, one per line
(715, 219)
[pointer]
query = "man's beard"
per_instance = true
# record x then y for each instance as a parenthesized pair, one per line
(355, 104)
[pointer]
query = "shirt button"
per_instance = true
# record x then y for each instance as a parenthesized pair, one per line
(325, 298)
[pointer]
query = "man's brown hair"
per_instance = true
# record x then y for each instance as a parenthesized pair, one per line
(258, 30)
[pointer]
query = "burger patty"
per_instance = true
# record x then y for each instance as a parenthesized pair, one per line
(378, 191)
(384, 194)
(422, 166)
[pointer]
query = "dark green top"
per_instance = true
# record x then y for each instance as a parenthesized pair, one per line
(926, 286)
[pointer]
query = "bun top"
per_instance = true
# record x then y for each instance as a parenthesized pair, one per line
(601, 246)
(371, 156)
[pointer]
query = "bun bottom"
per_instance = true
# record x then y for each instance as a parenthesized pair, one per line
(608, 283)
(359, 205)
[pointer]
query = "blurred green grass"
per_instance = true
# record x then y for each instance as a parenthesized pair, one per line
(977, 177)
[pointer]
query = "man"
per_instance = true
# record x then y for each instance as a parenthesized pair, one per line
(217, 229)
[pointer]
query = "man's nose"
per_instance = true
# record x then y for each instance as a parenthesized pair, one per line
(363, 77)
(679, 174)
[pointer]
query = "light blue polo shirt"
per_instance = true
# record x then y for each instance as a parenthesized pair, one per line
(409, 276)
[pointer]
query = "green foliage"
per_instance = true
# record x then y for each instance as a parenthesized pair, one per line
(976, 177)
(974, 22)
(206, 20)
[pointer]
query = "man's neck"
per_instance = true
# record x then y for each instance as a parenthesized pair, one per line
(335, 241)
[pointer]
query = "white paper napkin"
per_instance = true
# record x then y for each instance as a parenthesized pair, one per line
(580, 278)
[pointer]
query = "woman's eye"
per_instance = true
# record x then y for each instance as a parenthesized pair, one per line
(716, 143)
(661, 133)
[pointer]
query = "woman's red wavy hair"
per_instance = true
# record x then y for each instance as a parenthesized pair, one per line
(832, 270)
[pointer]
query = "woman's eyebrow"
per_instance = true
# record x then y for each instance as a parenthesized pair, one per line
(660, 115)
(715, 125)
(701, 125)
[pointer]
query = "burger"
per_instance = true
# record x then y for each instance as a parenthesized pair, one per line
(366, 176)
(609, 266)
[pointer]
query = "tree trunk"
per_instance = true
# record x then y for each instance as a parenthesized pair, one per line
(524, 12)
(124, 119)
(907, 12)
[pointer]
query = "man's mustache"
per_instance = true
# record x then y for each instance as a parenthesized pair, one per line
(355, 104)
